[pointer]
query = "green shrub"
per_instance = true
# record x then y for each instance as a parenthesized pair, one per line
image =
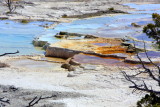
(111, 9)
(152, 30)
(24, 21)
(8, 12)
(135, 25)
(64, 16)
(150, 100)
(3, 18)
(63, 33)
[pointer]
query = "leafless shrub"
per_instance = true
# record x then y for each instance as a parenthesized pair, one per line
(36, 100)
(10, 5)
(153, 74)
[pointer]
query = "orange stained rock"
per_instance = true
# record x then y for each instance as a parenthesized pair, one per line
(88, 45)
(110, 50)
(107, 40)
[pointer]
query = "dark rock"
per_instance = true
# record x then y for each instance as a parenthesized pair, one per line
(135, 25)
(126, 44)
(67, 34)
(59, 36)
(90, 37)
(135, 61)
(46, 45)
(98, 13)
(61, 52)
(72, 62)
(3, 65)
(66, 66)
(71, 68)
(130, 47)
(63, 33)
(39, 43)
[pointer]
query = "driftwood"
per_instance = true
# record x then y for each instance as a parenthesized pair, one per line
(9, 53)
(36, 100)
(4, 101)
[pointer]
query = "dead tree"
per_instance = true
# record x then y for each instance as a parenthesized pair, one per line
(10, 5)
(153, 74)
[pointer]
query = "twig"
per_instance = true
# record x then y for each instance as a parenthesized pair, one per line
(143, 86)
(3, 100)
(9, 53)
(36, 100)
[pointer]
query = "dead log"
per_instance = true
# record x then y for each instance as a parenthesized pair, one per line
(9, 53)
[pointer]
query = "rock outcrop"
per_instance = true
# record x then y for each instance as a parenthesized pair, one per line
(39, 43)
(67, 34)
(135, 25)
(61, 52)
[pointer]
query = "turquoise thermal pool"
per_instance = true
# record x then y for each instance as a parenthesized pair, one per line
(17, 36)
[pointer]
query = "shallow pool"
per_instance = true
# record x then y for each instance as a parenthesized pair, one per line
(17, 36)
(116, 26)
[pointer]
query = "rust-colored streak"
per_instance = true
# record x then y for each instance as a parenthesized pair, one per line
(111, 50)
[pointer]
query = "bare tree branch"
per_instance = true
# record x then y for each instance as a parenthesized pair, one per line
(9, 53)
(145, 68)
(4, 101)
(10, 5)
(36, 100)
(143, 86)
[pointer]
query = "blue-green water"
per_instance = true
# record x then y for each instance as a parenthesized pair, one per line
(117, 26)
(16, 36)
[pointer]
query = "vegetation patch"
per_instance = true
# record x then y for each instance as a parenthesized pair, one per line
(64, 16)
(67, 34)
(24, 21)
(153, 29)
(111, 9)
(150, 100)
(3, 18)
(135, 25)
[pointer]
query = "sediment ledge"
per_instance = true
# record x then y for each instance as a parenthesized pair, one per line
(68, 34)
(98, 13)
(100, 47)
(68, 53)
(89, 44)
(60, 52)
